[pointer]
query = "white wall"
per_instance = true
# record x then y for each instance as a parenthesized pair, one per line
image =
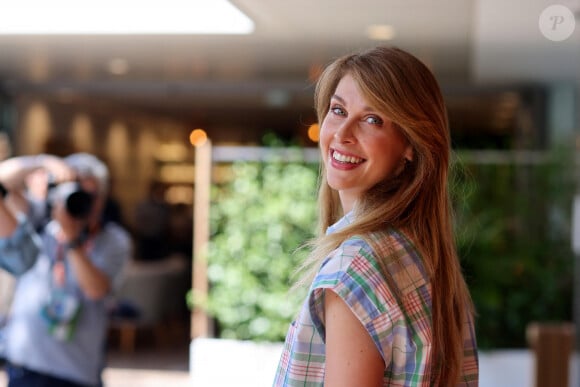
(225, 363)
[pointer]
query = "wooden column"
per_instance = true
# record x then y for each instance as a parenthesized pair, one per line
(552, 345)
(203, 164)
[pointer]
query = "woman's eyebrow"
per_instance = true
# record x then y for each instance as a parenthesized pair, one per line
(337, 97)
(343, 102)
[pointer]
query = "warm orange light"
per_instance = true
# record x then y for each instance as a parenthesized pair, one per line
(197, 137)
(314, 132)
(381, 32)
(314, 71)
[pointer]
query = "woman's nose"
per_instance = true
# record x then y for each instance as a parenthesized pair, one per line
(345, 132)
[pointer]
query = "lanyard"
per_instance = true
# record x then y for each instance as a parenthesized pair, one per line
(59, 266)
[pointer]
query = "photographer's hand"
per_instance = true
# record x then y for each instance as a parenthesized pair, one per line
(92, 281)
(71, 228)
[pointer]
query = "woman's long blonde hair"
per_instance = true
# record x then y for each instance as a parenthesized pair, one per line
(417, 201)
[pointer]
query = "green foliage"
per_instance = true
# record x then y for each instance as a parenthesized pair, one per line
(513, 236)
(258, 221)
(513, 231)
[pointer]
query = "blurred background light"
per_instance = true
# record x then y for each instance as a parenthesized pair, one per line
(31, 17)
(198, 137)
(171, 152)
(381, 32)
(118, 66)
(314, 132)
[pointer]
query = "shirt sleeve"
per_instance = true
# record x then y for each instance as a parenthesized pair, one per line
(19, 251)
(396, 319)
(114, 255)
(352, 273)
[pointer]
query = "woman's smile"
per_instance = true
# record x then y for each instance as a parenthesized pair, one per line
(345, 159)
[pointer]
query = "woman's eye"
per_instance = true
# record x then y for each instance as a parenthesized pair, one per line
(374, 120)
(337, 110)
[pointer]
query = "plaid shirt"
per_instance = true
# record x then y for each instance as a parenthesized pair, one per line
(399, 321)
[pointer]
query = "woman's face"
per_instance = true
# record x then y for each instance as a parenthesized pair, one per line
(360, 146)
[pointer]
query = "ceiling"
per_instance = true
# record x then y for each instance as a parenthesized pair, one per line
(265, 78)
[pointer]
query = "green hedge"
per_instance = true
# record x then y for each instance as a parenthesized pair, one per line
(259, 220)
(513, 234)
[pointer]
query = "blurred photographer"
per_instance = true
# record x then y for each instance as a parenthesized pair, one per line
(56, 331)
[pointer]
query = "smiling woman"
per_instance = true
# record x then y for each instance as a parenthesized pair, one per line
(29, 17)
(384, 267)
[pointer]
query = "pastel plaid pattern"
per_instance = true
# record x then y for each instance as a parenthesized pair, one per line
(397, 313)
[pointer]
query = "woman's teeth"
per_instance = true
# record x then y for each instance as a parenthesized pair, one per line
(346, 159)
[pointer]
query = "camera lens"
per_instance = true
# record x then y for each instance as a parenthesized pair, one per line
(79, 203)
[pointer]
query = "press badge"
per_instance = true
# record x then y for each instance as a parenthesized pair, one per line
(60, 313)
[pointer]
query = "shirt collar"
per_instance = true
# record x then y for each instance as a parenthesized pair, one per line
(341, 223)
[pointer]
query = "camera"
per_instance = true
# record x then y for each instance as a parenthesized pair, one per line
(78, 203)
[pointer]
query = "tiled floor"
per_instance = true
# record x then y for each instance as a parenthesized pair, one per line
(145, 378)
(149, 368)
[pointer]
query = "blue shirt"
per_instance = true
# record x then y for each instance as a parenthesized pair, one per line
(28, 340)
(19, 251)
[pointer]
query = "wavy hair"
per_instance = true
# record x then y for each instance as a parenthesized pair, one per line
(417, 201)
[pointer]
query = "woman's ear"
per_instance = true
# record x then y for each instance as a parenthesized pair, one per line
(408, 153)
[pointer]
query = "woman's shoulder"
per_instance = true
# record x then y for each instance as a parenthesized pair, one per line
(400, 260)
(386, 245)
(387, 254)
(361, 274)
(354, 254)
(346, 254)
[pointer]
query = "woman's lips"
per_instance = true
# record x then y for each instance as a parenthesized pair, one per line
(344, 158)
(344, 161)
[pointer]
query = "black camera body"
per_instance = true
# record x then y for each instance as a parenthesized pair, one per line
(78, 202)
